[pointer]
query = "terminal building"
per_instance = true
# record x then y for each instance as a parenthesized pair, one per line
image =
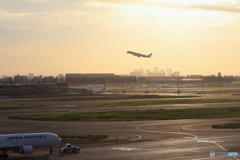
(107, 79)
(112, 80)
(198, 80)
(13, 90)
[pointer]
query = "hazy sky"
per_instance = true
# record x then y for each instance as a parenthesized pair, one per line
(92, 36)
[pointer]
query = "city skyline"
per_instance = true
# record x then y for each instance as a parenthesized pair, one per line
(92, 36)
(146, 71)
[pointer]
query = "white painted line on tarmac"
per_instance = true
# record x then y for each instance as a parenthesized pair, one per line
(206, 158)
(217, 145)
(206, 141)
(139, 137)
(188, 137)
(180, 133)
(64, 105)
(62, 109)
(185, 127)
(189, 105)
(127, 149)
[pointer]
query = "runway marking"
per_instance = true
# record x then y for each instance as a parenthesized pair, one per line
(61, 109)
(188, 126)
(139, 137)
(181, 133)
(189, 105)
(127, 149)
(194, 136)
(217, 145)
(206, 141)
(188, 137)
(64, 105)
(206, 158)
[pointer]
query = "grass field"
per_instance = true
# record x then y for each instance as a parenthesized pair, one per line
(108, 98)
(88, 137)
(137, 115)
(227, 126)
(222, 91)
(159, 102)
(17, 106)
(207, 90)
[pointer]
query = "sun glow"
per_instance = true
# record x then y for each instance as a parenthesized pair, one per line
(186, 2)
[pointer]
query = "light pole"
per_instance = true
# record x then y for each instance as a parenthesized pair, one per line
(147, 86)
(177, 88)
(122, 86)
(11, 89)
(91, 85)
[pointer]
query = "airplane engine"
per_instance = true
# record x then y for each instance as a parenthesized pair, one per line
(25, 150)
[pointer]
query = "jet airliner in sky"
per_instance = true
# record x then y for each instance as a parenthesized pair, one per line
(139, 54)
(26, 142)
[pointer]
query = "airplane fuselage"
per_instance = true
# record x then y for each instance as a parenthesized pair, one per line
(25, 143)
(139, 54)
(33, 139)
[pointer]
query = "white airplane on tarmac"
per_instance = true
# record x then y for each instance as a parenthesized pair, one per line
(139, 54)
(24, 143)
(99, 91)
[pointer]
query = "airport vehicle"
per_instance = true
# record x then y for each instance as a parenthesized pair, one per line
(24, 143)
(139, 54)
(69, 148)
(99, 91)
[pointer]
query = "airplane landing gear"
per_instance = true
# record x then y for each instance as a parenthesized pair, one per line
(4, 156)
(51, 150)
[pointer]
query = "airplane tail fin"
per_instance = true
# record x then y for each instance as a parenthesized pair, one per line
(150, 55)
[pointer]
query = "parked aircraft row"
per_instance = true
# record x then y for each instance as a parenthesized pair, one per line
(168, 86)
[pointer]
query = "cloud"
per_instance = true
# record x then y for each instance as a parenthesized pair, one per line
(216, 8)
(220, 6)
(34, 51)
(111, 1)
(43, 20)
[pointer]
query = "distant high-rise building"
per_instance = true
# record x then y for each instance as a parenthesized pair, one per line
(161, 73)
(30, 76)
(169, 71)
(20, 79)
(148, 71)
(151, 74)
(176, 73)
(6, 79)
(60, 78)
(219, 74)
(142, 71)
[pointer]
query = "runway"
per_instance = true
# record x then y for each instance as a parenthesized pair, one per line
(141, 140)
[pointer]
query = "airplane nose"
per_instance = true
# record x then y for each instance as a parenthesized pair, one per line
(59, 139)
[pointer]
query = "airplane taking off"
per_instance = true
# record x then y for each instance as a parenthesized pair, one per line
(26, 142)
(139, 54)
